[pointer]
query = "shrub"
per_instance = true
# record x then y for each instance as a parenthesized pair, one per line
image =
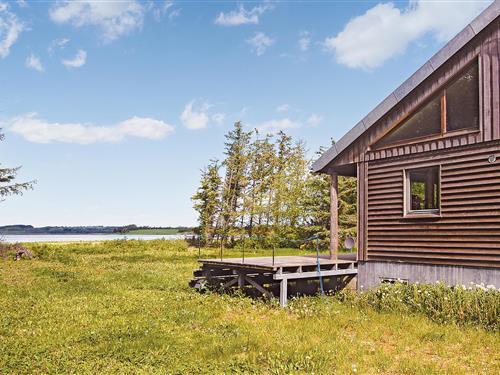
(462, 305)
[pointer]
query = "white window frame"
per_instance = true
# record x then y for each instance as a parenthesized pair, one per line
(408, 212)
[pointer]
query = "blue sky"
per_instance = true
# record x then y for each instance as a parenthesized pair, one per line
(115, 106)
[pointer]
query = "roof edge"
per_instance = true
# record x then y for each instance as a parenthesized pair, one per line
(478, 24)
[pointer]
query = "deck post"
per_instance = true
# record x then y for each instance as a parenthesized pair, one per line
(241, 280)
(283, 292)
(334, 215)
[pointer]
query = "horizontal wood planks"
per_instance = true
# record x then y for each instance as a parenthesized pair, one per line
(468, 229)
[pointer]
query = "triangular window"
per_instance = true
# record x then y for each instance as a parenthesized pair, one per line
(454, 108)
(425, 122)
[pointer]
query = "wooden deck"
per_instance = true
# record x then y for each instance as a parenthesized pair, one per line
(273, 264)
(270, 276)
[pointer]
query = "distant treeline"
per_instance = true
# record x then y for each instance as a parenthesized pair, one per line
(263, 193)
(29, 229)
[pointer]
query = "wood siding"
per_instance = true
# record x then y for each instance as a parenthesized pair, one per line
(468, 231)
(485, 47)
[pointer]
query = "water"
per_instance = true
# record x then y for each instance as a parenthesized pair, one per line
(13, 238)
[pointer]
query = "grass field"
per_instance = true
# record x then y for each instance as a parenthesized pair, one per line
(124, 307)
(154, 231)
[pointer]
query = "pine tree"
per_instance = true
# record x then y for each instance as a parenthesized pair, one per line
(7, 184)
(259, 173)
(279, 181)
(235, 181)
(268, 191)
(317, 205)
(347, 208)
(207, 201)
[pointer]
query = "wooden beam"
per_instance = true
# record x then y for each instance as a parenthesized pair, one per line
(283, 292)
(241, 280)
(334, 215)
(315, 274)
(260, 288)
(229, 283)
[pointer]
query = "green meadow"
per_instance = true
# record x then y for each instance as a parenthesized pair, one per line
(155, 231)
(125, 307)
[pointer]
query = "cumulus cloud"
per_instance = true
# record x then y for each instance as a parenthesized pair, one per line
(304, 40)
(241, 16)
(274, 126)
(34, 129)
(260, 42)
(112, 18)
(76, 62)
(10, 29)
(384, 31)
(197, 115)
(33, 62)
(193, 118)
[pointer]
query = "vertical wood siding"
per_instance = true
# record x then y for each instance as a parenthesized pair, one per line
(468, 231)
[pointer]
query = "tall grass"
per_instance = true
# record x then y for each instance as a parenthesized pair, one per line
(125, 307)
(462, 305)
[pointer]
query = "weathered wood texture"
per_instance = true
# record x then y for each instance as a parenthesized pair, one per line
(274, 264)
(468, 231)
(334, 216)
(284, 275)
(485, 47)
(362, 202)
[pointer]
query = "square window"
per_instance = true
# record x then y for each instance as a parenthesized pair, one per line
(422, 191)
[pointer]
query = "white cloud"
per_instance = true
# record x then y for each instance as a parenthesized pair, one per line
(197, 116)
(76, 62)
(10, 28)
(241, 16)
(283, 108)
(314, 119)
(195, 119)
(218, 118)
(33, 62)
(274, 126)
(384, 31)
(260, 42)
(163, 9)
(174, 14)
(37, 130)
(304, 40)
(112, 18)
(58, 43)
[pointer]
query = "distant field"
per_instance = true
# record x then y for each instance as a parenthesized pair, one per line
(155, 231)
(125, 307)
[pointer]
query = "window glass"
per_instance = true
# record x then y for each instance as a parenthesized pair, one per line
(462, 101)
(425, 122)
(423, 189)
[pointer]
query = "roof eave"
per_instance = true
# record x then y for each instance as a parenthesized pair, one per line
(435, 62)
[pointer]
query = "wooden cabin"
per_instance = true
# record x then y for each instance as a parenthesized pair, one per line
(427, 162)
